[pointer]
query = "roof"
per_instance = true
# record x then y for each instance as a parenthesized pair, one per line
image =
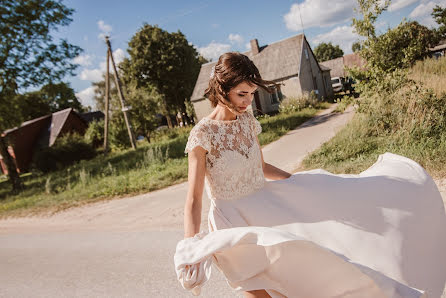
(275, 61)
(29, 122)
(338, 65)
(90, 116)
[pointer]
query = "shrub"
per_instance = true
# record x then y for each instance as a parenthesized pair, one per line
(95, 133)
(295, 104)
(66, 150)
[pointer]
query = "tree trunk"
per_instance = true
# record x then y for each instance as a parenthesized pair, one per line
(10, 165)
(169, 121)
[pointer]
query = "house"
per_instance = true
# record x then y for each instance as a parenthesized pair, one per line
(338, 65)
(290, 62)
(43, 132)
(439, 50)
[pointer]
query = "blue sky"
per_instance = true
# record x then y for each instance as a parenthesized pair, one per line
(214, 27)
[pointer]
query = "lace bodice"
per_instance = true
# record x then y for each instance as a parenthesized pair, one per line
(233, 160)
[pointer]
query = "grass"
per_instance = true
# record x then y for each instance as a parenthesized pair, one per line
(409, 120)
(124, 173)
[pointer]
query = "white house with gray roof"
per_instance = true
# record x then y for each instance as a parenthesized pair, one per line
(290, 62)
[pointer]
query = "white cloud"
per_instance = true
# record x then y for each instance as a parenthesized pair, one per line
(398, 4)
(235, 38)
(104, 28)
(214, 50)
(248, 46)
(83, 60)
(95, 75)
(422, 12)
(318, 13)
(341, 35)
(86, 97)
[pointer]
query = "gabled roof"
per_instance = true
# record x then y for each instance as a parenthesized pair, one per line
(57, 122)
(275, 61)
(338, 65)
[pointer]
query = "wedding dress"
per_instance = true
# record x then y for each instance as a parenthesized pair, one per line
(380, 233)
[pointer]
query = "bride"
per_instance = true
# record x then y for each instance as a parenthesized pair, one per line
(380, 233)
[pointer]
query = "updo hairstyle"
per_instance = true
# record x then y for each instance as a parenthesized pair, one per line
(232, 69)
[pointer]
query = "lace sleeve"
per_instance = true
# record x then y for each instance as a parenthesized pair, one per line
(256, 125)
(197, 137)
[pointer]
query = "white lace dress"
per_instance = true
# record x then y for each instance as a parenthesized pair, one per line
(377, 234)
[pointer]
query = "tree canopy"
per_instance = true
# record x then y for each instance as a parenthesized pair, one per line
(439, 14)
(29, 56)
(327, 51)
(165, 61)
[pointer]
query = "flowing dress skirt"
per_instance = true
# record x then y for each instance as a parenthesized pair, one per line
(381, 233)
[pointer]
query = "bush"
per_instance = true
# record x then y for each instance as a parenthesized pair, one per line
(67, 150)
(95, 133)
(296, 104)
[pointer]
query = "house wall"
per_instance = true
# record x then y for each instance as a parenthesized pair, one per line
(327, 81)
(202, 108)
(310, 69)
(291, 87)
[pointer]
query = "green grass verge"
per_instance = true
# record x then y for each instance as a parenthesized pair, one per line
(124, 173)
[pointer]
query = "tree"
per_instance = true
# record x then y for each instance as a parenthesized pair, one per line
(400, 47)
(356, 46)
(60, 96)
(29, 57)
(165, 61)
(49, 99)
(327, 51)
(439, 14)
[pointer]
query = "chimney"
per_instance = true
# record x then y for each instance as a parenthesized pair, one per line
(254, 46)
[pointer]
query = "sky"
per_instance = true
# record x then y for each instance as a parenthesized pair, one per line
(215, 27)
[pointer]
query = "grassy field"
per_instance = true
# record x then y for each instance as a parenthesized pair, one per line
(409, 120)
(125, 173)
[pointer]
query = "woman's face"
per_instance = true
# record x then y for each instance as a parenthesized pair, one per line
(242, 95)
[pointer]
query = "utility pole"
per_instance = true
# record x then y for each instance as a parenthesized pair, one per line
(107, 94)
(124, 108)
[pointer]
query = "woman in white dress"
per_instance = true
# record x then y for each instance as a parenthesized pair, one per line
(310, 234)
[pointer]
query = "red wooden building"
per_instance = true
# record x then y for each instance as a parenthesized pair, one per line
(42, 132)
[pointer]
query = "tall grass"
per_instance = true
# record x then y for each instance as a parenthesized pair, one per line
(431, 73)
(409, 119)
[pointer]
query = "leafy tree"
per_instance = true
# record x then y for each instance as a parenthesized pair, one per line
(327, 51)
(356, 46)
(369, 10)
(400, 47)
(439, 14)
(60, 96)
(31, 105)
(165, 61)
(49, 99)
(29, 57)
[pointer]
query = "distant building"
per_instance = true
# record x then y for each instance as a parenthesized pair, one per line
(43, 132)
(439, 50)
(290, 61)
(338, 65)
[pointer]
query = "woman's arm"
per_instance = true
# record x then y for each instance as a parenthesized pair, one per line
(193, 204)
(270, 171)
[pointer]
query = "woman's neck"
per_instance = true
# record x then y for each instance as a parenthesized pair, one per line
(222, 113)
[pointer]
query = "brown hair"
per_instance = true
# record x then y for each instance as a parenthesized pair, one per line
(232, 69)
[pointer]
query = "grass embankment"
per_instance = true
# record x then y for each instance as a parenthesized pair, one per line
(126, 173)
(408, 118)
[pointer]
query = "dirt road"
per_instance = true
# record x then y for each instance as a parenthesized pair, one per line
(125, 247)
